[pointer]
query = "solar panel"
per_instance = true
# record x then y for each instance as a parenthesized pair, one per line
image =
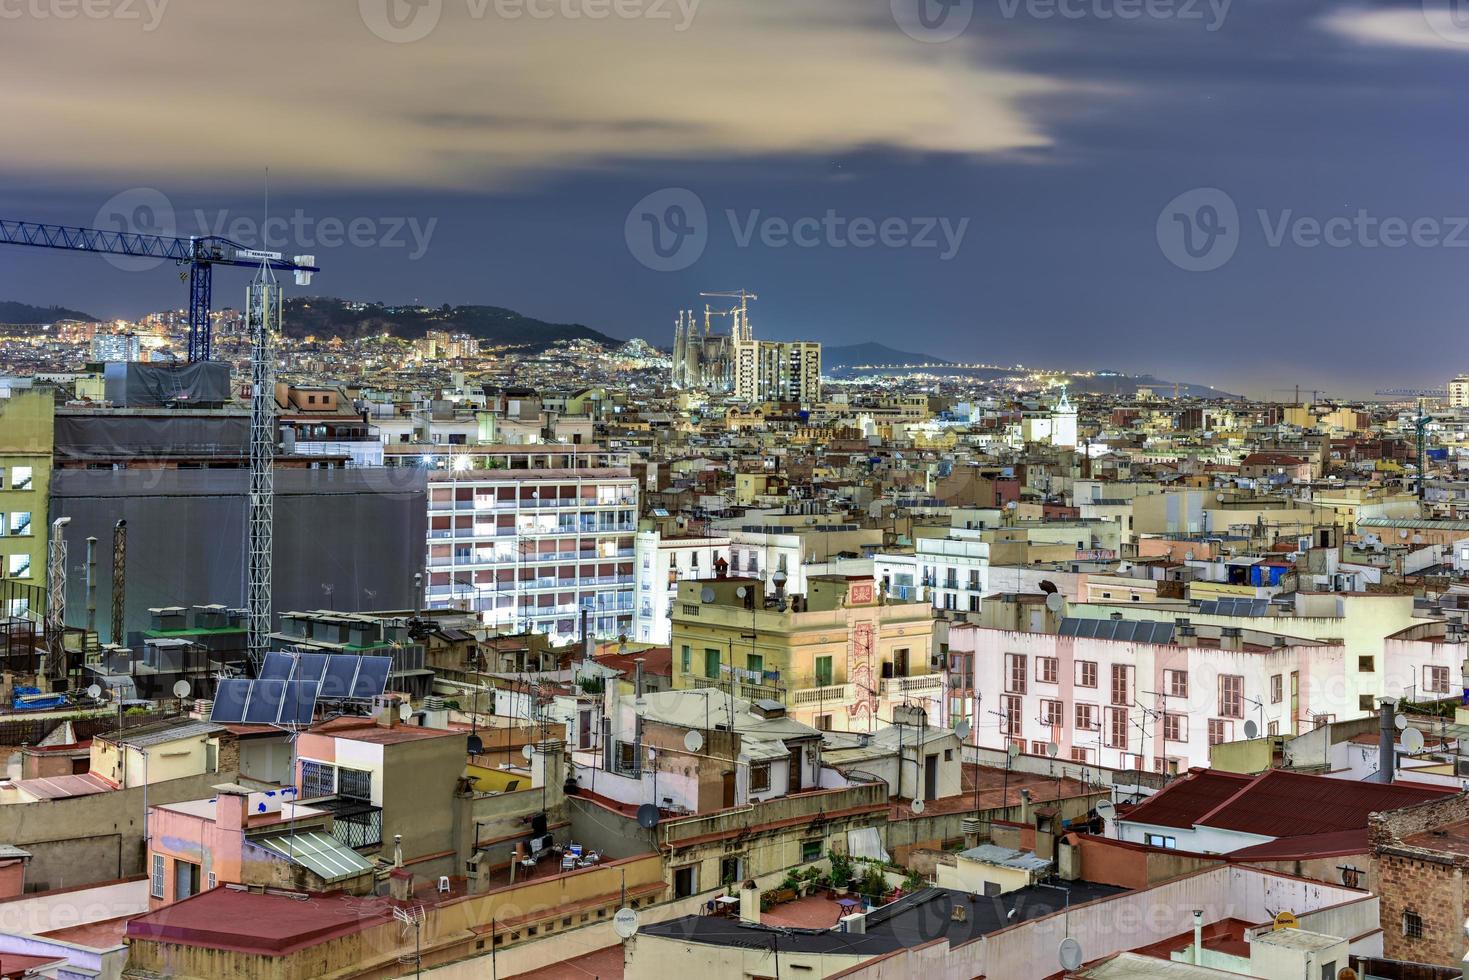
(264, 706)
(1126, 631)
(230, 697)
(310, 666)
(372, 677)
(341, 671)
(298, 702)
(277, 666)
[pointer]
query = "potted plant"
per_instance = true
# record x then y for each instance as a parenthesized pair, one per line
(873, 885)
(841, 872)
(810, 879)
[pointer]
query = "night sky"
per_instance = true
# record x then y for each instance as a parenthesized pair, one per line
(1065, 183)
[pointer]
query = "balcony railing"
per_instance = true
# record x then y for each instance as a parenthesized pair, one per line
(355, 823)
(912, 685)
(833, 693)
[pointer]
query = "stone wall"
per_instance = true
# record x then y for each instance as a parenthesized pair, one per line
(1421, 881)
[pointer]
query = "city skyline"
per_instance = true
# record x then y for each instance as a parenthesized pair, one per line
(1015, 180)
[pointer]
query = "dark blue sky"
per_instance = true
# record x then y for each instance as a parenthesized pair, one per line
(1058, 139)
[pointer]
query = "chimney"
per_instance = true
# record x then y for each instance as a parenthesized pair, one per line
(1025, 806)
(1198, 937)
(1387, 737)
(231, 807)
(1231, 638)
(1188, 636)
(1279, 642)
(387, 713)
(750, 902)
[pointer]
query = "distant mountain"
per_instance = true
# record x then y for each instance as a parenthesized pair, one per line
(325, 316)
(26, 313)
(872, 353)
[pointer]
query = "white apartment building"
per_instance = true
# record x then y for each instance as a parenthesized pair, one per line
(800, 546)
(1139, 695)
(1459, 392)
(661, 561)
(769, 370)
(952, 572)
(529, 536)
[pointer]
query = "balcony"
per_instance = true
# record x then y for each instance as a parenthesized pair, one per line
(831, 694)
(356, 823)
(922, 684)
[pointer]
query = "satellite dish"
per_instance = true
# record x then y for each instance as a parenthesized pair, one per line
(1070, 954)
(741, 592)
(1413, 741)
(647, 816)
(1251, 729)
(1188, 556)
(693, 741)
(1052, 749)
(917, 807)
(1055, 601)
(1401, 721)
(527, 751)
(706, 594)
(405, 711)
(476, 745)
(94, 692)
(962, 729)
(1403, 533)
(181, 689)
(625, 923)
(1013, 752)
(1106, 809)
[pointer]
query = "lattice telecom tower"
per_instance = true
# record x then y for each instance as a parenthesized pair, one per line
(262, 319)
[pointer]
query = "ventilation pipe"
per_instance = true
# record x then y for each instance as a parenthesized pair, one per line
(1387, 737)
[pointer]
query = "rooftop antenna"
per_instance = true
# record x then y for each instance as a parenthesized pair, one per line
(56, 601)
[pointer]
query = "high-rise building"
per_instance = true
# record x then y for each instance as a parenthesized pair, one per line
(529, 536)
(116, 347)
(1459, 392)
(768, 370)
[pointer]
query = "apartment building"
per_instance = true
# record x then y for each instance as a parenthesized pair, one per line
(1139, 695)
(952, 572)
(839, 656)
(529, 536)
(796, 545)
(775, 371)
(26, 439)
(662, 561)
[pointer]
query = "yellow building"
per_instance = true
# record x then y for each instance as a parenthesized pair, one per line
(26, 426)
(837, 657)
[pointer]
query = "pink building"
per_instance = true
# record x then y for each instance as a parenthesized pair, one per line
(1138, 695)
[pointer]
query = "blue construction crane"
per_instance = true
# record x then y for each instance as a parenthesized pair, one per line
(201, 255)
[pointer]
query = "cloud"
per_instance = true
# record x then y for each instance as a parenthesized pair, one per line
(1434, 27)
(220, 90)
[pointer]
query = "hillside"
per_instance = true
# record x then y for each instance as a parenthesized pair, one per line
(872, 353)
(25, 313)
(327, 316)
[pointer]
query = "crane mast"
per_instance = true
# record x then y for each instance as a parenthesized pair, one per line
(262, 319)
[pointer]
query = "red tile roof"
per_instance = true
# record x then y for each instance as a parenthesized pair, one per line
(1335, 844)
(1290, 804)
(1182, 802)
(1276, 803)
